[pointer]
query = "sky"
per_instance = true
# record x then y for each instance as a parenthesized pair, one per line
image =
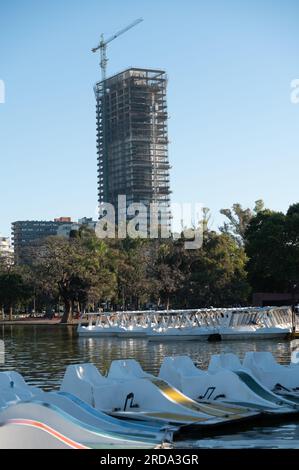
(233, 130)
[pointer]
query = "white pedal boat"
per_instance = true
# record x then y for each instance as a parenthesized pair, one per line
(231, 362)
(250, 331)
(73, 429)
(295, 351)
(129, 369)
(33, 434)
(98, 330)
(128, 395)
(69, 415)
(278, 378)
(180, 334)
(133, 331)
(221, 385)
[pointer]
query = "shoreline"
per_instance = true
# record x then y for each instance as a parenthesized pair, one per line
(37, 322)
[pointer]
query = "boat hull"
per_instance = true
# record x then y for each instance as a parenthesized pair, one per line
(240, 336)
(70, 427)
(166, 337)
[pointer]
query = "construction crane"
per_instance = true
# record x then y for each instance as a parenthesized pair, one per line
(103, 46)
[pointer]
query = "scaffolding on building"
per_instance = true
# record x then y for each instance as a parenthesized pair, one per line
(132, 138)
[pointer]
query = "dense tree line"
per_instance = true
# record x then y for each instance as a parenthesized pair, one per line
(272, 246)
(255, 250)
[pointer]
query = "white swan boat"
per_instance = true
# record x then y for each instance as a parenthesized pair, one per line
(198, 324)
(260, 323)
(121, 324)
(222, 385)
(179, 334)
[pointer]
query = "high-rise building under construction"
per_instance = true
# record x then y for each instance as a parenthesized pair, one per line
(132, 140)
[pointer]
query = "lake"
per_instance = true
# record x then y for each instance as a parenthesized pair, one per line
(42, 353)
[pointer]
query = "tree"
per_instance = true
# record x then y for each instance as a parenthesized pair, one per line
(132, 261)
(217, 275)
(239, 220)
(166, 271)
(14, 290)
(268, 251)
(77, 269)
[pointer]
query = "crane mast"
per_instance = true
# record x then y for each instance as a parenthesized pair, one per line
(102, 47)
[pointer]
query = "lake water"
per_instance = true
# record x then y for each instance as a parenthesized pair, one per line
(41, 354)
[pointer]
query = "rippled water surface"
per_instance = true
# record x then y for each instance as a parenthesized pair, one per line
(41, 354)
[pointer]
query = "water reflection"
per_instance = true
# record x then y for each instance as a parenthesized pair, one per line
(284, 436)
(41, 353)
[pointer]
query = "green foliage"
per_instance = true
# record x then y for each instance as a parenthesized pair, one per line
(77, 269)
(215, 274)
(272, 246)
(239, 220)
(257, 250)
(14, 290)
(86, 271)
(132, 261)
(167, 271)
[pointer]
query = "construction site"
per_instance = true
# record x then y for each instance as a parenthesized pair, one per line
(132, 138)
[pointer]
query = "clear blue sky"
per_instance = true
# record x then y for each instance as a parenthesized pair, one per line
(233, 129)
